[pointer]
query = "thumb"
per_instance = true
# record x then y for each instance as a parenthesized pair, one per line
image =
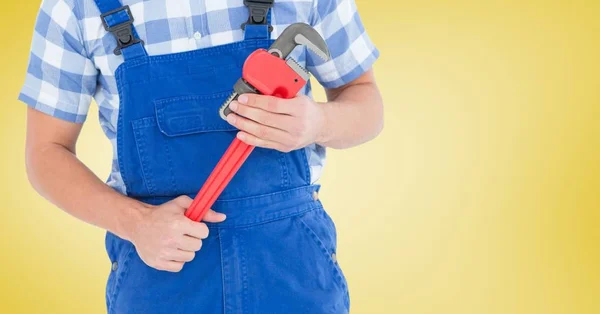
(213, 216)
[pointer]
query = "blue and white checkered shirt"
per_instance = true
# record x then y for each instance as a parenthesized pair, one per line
(70, 62)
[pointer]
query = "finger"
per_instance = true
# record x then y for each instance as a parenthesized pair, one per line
(197, 230)
(268, 103)
(213, 216)
(183, 201)
(261, 131)
(190, 244)
(275, 120)
(181, 256)
(171, 266)
(259, 142)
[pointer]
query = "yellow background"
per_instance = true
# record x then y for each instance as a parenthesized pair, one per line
(482, 195)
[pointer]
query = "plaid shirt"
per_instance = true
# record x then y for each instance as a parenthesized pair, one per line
(70, 62)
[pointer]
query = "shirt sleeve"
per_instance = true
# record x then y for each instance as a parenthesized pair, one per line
(61, 79)
(352, 52)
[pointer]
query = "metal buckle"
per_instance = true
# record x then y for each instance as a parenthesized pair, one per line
(123, 32)
(258, 12)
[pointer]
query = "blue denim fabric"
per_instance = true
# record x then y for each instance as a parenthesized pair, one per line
(274, 253)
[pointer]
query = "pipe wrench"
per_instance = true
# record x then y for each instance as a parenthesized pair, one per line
(267, 72)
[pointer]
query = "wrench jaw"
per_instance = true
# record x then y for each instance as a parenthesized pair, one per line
(240, 87)
(299, 34)
(300, 70)
(320, 51)
(224, 109)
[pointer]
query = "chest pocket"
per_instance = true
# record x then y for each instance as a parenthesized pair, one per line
(180, 145)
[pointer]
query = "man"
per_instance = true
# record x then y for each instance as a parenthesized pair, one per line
(268, 246)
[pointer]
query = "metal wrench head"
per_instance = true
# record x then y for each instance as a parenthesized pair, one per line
(300, 34)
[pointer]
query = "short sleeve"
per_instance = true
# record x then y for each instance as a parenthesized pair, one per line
(60, 79)
(352, 52)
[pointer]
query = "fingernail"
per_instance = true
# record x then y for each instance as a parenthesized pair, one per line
(243, 99)
(241, 136)
(231, 118)
(233, 105)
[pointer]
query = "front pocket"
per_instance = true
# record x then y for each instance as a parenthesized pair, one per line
(319, 227)
(286, 261)
(181, 144)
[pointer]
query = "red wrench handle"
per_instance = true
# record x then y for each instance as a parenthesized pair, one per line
(230, 163)
(280, 81)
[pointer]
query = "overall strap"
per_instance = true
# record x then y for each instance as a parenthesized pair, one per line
(118, 20)
(258, 25)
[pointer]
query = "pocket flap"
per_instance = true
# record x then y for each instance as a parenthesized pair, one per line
(191, 114)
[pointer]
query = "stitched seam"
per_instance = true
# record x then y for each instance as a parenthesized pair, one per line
(286, 192)
(165, 101)
(194, 74)
(68, 106)
(206, 52)
(122, 169)
(244, 274)
(222, 269)
(190, 55)
(337, 276)
(121, 276)
(149, 79)
(283, 170)
(252, 224)
(146, 170)
(307, 175)
(207, 128)
(171, 167)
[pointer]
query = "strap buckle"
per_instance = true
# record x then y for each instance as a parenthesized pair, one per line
(258, 12)
(122, 30)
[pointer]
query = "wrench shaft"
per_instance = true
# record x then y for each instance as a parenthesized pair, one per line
(231, 161)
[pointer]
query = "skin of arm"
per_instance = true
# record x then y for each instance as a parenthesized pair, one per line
(164, 238)
(352, 115)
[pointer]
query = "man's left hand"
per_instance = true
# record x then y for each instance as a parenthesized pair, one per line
(276, 123)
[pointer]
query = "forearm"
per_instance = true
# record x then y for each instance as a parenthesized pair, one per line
(57, 174)
(353, 116)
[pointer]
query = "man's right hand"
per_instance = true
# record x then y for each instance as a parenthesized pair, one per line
(166, 239)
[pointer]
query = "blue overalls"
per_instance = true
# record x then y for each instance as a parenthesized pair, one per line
(275, 253)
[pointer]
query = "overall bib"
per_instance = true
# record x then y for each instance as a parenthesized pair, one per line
(275, 253)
